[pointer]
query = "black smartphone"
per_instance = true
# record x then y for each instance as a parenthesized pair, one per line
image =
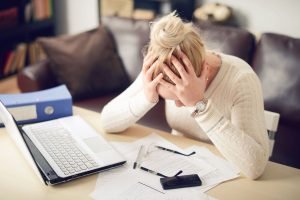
(180, 181)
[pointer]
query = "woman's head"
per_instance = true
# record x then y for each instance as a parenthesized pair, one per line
(169, 36)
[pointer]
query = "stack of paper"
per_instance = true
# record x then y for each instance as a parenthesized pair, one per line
(129, 183)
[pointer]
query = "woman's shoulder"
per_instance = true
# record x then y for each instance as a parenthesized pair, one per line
(236, 61)
(238, 69)
(237, 65)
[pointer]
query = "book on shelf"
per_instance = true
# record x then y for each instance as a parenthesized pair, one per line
(36, 53)
(3, 57)
(33, 10)
(18, 28)
(8, 17)
(13, 66)
(8, 62)
(16, 59)
(22, 57)
(41, 9)
(19, 60)
(28, 12)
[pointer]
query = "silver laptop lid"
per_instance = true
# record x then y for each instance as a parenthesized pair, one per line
(16, 136)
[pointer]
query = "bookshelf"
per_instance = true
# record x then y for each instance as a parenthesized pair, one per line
(21, 23)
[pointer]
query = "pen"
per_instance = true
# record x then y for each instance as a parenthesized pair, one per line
(157, 173)
(152, 172)
(173, 151)
(138, 158)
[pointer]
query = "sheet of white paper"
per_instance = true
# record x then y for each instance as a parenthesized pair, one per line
(169, 163)
(140, 191)
(128, 185)
(224, 170)
(127, 182)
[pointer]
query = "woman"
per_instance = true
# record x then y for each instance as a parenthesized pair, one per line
(211, 97)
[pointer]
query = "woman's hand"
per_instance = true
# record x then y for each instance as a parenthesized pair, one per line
(150, 86)
(188, 88)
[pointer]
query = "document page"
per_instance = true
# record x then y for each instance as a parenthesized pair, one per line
(129, 183)
(224, 170)
(169, 163)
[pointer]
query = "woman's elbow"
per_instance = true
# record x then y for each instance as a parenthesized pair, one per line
(253, 175)
(111, 127)
(256, 169)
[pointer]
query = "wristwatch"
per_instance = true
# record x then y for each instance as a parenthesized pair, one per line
(199, 107)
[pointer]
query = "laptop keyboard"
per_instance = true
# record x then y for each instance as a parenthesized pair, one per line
(64, 150)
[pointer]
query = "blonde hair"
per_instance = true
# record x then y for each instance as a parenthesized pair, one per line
(169, 36)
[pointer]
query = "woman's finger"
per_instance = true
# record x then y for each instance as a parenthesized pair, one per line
(171, 74)
(148, 62)
(167, 84)
(150, 71)
(187, 63)
(180, 68)
(157, 79)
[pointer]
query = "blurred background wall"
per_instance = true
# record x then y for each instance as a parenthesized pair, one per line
(278, 16)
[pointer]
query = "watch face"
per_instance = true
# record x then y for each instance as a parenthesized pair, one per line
(201, 106)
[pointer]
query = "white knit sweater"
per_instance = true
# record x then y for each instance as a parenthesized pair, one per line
(233, 120)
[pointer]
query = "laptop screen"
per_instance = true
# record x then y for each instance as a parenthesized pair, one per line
(15, 135)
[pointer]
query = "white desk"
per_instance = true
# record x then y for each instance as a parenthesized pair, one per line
(18, 181)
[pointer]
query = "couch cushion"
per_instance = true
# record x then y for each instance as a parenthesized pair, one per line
(36, 77)
(228, 40)
(131, 36)
(276, 62)
(88, 63)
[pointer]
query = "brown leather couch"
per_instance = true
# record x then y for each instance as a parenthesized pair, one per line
(274, 57)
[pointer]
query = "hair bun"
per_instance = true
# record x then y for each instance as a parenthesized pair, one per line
(168, 32)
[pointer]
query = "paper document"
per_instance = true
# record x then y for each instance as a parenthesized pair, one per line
(129, 183)
(224, 170)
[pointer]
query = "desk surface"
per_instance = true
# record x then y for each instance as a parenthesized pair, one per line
(18, 181)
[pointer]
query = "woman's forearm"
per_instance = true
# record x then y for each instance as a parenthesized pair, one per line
(120, 114)
(247, 149)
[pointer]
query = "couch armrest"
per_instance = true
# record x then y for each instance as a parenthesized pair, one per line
(36, 77)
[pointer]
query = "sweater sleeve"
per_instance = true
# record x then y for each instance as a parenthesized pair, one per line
(242, 140)
(126, 109)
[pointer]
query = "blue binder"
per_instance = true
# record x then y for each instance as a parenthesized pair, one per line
(40, 105)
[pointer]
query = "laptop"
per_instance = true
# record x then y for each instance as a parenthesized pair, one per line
(63, 149)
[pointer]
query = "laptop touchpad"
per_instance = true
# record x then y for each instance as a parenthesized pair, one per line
(96, 144)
